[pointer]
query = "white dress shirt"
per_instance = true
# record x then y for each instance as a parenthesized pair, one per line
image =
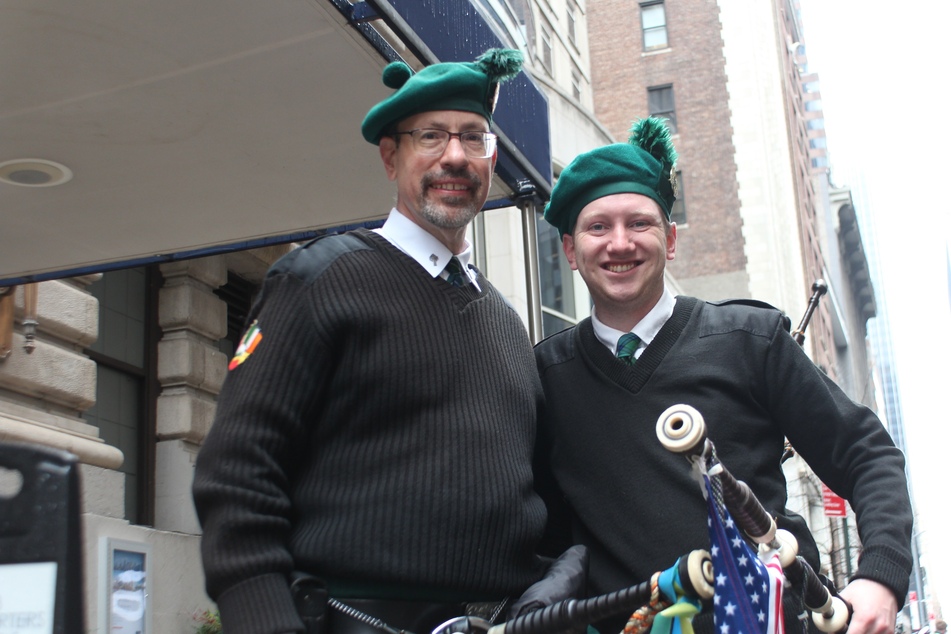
(646, 329)
(422, 246)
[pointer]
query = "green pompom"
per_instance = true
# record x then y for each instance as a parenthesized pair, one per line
(396, 74)
(500, 63)
(653, 136)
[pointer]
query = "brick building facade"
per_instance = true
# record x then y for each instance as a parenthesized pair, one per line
(692, 65)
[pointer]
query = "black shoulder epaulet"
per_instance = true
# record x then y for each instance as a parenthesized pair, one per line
(755, 303)
(311, 259)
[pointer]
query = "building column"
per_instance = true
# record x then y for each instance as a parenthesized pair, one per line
(191, 370)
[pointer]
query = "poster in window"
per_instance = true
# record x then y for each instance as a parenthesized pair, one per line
(126, 572)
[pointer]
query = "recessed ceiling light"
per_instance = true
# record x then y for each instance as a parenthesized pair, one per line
(34, 173)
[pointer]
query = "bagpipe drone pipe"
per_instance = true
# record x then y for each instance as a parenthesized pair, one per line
(749, 583)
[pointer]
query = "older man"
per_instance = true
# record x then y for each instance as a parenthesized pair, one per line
(374, 435)
(607, 380)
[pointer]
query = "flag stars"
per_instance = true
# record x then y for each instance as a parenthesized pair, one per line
(744, 601)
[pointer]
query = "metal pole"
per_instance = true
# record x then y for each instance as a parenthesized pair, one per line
(528, 205)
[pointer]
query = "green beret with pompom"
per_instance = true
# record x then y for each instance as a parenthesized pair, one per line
(644, 165)
(466, 86)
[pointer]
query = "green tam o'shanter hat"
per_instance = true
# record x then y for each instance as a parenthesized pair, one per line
(644, 165)
(466, 86)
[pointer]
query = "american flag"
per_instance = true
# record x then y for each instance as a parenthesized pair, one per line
(748, 590)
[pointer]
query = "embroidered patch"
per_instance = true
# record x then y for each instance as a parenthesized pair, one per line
(249, 342)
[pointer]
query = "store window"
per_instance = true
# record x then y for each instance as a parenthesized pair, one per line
(125, 357)
(556, 281)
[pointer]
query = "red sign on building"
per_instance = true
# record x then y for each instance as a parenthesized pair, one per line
(833, 504)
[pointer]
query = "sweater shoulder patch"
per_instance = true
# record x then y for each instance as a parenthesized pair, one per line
(749, 315)
(252, 337)
(310, 260)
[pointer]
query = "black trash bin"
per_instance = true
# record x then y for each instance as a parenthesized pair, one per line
(40, 529)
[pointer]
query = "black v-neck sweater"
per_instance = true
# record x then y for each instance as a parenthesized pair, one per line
(379, 436)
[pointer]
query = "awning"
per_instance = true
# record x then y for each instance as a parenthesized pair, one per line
(185, 129)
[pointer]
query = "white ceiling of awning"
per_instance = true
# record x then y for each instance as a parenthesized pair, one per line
(186, 125)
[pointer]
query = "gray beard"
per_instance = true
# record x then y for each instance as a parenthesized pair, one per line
(441, 215)
(438, 216)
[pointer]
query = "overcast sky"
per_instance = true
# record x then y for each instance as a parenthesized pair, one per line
(883, 77)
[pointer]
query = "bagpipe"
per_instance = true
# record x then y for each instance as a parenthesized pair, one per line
(670, 596)
(731, 505)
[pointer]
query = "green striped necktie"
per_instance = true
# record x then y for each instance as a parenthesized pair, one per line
(626, 346)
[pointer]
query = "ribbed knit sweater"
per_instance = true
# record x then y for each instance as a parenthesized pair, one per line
(637, 507)
(379, 436)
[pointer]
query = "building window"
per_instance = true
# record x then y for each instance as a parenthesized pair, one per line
(678, 212)
(556, 281)
(576, 85)
(125, 357)
(546, 49)
(660, 104)
(572, 35)
(654, 25)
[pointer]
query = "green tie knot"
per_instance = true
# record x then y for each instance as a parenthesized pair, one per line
(626, 346)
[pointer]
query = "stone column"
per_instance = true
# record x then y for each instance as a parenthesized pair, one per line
(191, 371)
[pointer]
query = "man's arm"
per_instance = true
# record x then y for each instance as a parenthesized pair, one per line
(850, 450)
(242, 474)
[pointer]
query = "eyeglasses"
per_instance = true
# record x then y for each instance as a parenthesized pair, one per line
(433, 141)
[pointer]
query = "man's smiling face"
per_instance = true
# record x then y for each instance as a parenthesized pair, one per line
(620, 246)
(440, 193)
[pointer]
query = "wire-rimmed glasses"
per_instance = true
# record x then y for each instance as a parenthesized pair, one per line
(433, 141)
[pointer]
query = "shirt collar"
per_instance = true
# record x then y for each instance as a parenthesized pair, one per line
(419, 244)
(646, 329)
